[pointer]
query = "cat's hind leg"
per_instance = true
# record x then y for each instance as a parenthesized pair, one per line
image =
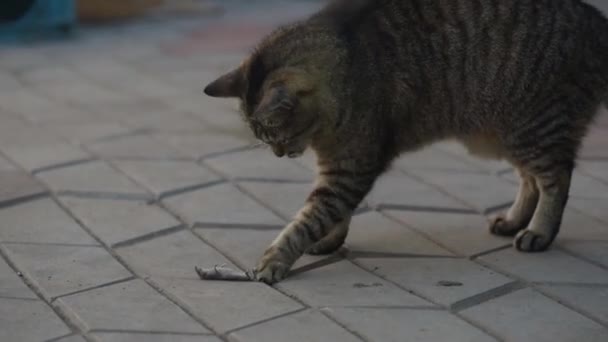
(522, 210)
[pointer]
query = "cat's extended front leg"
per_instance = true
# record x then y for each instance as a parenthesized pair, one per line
(330, 204)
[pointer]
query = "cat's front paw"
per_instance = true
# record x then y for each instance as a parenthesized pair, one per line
(271, 269)
(530, 241)
(500, 226)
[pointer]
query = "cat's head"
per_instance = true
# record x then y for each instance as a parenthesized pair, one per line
(277, 101)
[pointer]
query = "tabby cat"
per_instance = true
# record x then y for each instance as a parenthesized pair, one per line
(363, 81)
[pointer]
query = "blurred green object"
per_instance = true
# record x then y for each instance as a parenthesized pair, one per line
(29, 19)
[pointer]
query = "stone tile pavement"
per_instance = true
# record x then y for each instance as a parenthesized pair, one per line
(117, 177)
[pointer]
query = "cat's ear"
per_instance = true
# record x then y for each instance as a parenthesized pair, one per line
(231, 84)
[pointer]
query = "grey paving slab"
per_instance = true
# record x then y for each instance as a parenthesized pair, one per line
(464, 234)
(541, 267)
(580, 226)
(286, 198)
(228, 305)
(16, 186)
(6, 165)
(71, 338)
(373, 232)
(83, 93)
(83, 132)
(119, 221)
(592, 207)
(181, 252)
(94, 177)
(594, 145)
(584, 186)
(29, 321)
(259, 163)
(460, 151)
(526, 315)
(41, 221)
(395, 188)
(137, 337)
(590, 300)
(596, 169)
(428, 277)
(50, 75)
(21, 133)
(33, 106)
(11, 284)
(434, 159)
(597, 251)
(246, 246)
(35, 157)
(166, 121)
(403, 325)
(163, 176)
(309, 325)
(59, 270)
(483, 192)
(222, 203)
(200, 145)
(132, 306)
(135, 146)
(344, 284)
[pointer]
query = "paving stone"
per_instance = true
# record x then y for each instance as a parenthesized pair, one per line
(29, 321)
(35, 157)
(94, 177)
(594, 145)
(41, 221)
(399, 189)
(201, 145)
(597, 251)
(181, 252)
(162, 176)
(460, 151)
(344, 284)
(426, 276)
(484, 192)
(540, 267)
(222, 203)
(83, 93)
(167, 121)
(140, 146)
(246, 246)
(258, 163)
(71, 338)
(83, 132)
(403, 325)
(59, 270)
(372, 232)
(596, 208)
(286, 198)
(229, 305)
(132, 337)
(21, 134)
(578, 226)
(434, 159)
(584, 186)
(536, 318)
(50, 76)
(11, 285)
(132, 306)
(597, 169)
(6, 165)
(119, 221)
(9, 82)
(17, 186)
(310, 326)
(39, 109)
(590, 300)
(464, 234)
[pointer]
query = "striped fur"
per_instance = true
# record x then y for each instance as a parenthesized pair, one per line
(362, 81)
